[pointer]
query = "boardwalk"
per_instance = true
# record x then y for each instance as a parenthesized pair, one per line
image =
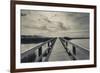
(56, 49)
(58, 52)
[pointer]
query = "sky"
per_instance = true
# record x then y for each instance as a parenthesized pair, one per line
(49, 23)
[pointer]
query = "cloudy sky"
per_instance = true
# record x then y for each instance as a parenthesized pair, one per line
(47, 23)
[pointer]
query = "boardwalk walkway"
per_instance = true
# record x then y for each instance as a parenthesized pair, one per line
(58, 52)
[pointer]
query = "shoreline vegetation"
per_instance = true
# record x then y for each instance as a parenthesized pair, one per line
(29, 39)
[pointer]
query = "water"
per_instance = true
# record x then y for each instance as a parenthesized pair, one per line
(26, 47)
(81, 42)
(84, 43)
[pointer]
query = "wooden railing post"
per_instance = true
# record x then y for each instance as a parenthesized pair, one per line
(48, 47)
(66, 44)
(40, 52)
(48, 44)
(74, 50)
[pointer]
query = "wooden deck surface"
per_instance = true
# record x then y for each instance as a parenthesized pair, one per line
(58, 53)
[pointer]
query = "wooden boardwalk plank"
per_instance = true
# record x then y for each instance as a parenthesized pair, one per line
(59, 53)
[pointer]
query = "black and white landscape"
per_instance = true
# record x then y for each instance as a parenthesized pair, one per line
(38, 27)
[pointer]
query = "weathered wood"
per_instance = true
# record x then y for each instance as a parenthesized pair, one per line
(74, 50)
(40, 52)
(66, 46)
(67, 50)
(50, 50)
(32, 51)
(46, 53)
(48, 44)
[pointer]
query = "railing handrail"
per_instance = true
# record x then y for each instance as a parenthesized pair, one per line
(34, 48)
(75, 58)
(45, 52)
(73, 51)
(75, 44)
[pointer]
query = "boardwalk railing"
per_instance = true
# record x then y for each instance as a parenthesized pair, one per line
(75, 51)
(39, 53)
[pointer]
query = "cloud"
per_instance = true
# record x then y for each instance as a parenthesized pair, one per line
(33, 22)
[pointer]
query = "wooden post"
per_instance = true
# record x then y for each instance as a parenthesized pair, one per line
(66, 45)
(49, 47)
(48, 44)
(74, 50)
(40, 52)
